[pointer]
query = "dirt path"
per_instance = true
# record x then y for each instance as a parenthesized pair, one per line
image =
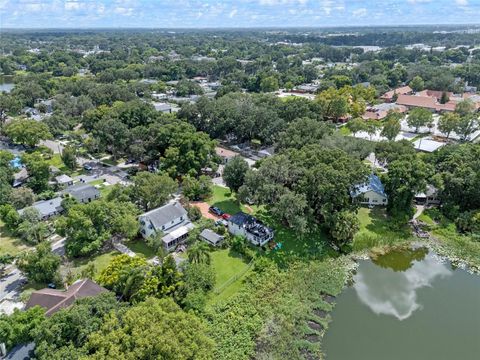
(203, 206)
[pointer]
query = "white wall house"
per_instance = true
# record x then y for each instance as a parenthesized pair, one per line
(371, 193)
(245, 225)
(170, 220)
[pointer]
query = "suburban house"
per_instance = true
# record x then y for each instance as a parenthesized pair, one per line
(371, 193)
(19, 178)
(389, 95)
(427, 100)
(225, 154)
(162, 107)
(248, 226)
(171, 220)
(211, 237)
(54, 300)
(46, 208)
(83, 193)
(429, 197)
(63, 180)
(380, 111)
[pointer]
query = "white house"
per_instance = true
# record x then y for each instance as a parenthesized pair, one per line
(171, 220)
(371, 193)
(242, 224)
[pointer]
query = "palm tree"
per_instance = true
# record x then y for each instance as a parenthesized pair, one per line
(199, 253)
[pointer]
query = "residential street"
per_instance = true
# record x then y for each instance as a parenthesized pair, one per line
(11, 282)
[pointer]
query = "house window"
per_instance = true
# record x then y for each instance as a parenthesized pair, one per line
(384, 200)
(142, 222)
(163, 227)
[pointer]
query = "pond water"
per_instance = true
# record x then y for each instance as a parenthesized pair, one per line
(6, 83)
(406, 304)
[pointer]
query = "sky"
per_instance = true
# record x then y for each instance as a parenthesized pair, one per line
(233, 13)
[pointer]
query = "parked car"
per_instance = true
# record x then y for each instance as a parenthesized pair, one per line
(221, 222)
(215, 210)
(87, 167)
(226, 216)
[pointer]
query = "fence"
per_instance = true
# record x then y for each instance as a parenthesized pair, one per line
(219, 290)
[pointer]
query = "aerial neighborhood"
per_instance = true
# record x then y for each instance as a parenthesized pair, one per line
(210, 194)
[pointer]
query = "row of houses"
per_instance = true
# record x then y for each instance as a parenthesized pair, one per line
(438, 101)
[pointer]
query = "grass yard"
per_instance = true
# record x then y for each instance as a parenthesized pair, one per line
(376, 230)
(101, 261)
(227, 264)
(140, 247)
(225, 200)
(9, 244)
(56, 160)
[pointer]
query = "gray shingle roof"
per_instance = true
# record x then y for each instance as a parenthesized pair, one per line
(81, 192)
(211, 236)
(47, 207)
(165, 214)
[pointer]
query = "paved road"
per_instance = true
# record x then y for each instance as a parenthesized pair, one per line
(11, 283)
(58, 247)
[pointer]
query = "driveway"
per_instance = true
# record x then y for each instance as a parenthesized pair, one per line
(11, 283)
(203, 206)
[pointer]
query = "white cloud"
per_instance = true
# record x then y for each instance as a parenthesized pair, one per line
(359, 12)
(397, 296)
(232, 13)
(461, 2)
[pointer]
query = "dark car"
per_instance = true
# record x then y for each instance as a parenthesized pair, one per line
(215, 210)
(87, 167)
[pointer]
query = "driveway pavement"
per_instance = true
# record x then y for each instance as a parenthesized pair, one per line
(11, 283)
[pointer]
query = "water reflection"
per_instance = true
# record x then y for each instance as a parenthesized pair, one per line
(399, 259)
(392, 292)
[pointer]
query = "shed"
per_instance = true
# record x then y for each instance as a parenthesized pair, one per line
(211, 237)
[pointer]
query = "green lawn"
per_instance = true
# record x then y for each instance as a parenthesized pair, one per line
(56, 160)
(227, 264)
(100, 261)
(140, 247)
(9, 244)
(376, 230)
(225, 200)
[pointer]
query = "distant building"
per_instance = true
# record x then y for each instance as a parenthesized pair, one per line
(54, 300)
(389, 95)
(427, 145)
(162, 107)
(370, 193)
(83, 193)
(380, 111)
(225, 154)
(429, 197)
(171, 220)
(248, 226)
(63, 180)
(46, 208)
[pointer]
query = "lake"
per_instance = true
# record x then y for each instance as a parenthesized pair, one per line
(406, 304)
(6, 83)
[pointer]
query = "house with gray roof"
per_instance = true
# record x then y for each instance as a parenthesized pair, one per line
(63, 180)
(83, 193)
(251, 228)
(46, 208)
(211, 237)
(171, 220)
(371, 193)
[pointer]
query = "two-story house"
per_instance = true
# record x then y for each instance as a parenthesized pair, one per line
(248, 226)
(171, 220)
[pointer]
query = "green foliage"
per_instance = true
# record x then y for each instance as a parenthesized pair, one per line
(152, 329)
(38, 171)
(27, 132)
(69, 157)
(39, 265)
(448, 122)
(199, 253)
(419, 117)
(356, 125)
(391, 128)
(88, 226)
(197, 189)
(64, 334)
(234, 173)
(344, 227)
(303, 131)
(31, 228)
(417, 84)
(406, 177)
(16, 329)
(152, 190)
